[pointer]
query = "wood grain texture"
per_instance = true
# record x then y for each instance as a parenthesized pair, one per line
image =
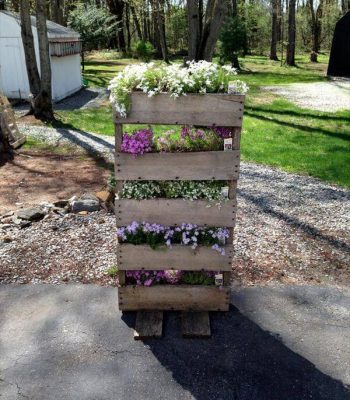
(176, 211)
(210, 165)
(149, 324)
(193, 109)
(195, 324)
(179, 298)
(132, 258)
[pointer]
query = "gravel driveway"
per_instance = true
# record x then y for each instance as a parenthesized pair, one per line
(323, 96)
(290, 228)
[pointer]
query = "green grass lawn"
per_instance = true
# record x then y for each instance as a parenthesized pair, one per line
(275, 132)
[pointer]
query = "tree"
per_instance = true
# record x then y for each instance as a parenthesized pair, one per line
(316, 27)
(160, 24)
(276, 7)
(233, 37)
(290, 57)
(57, 11)
(40, 85)
(29, 51)
(116, 7)
(204, 30)
(95, 25)
(345, 6)
(43, 101)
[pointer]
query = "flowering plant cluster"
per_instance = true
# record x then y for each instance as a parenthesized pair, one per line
(171, 277)
(189, 190)
(139, 142)
(156, 235)
(197, 77)
(189, 139)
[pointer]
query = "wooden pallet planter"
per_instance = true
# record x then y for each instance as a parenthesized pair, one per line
(225, 110)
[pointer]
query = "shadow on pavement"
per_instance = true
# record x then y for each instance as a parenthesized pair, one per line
(240, 362)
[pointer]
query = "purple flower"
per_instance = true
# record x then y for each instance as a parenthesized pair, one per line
(139, 142)
(222, 132)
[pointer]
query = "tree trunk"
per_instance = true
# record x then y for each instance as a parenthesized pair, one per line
(345, 6)
(116, 7)
(193, 28)
(215, 15)
(127, 23)
(159, 10)
(57, 11)
(202, 38)
(2, 5)
(274, 31)
(29, 51)
(316, 27)
(43, 102)
(136, 22)
(290, 58)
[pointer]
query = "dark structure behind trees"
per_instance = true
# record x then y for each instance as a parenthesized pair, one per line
(339, 61)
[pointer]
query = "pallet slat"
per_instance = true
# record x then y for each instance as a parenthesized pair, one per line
(179, 298)
(195, 324)
(210, 165)
(193, 109)
(176, 211)
(132, 258)
(149, 324)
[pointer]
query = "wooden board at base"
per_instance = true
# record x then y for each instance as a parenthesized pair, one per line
(176, 297)
(195, 324)
(149, 324)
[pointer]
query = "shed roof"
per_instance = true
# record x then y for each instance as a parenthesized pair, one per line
(54, 31)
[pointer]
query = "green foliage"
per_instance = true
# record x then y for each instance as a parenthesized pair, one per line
(190, 190)
(112, 271)
(143, 50)
(95, 25)
(233, 39)
(197, 278)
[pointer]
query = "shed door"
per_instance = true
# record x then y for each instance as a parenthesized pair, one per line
(13, 74)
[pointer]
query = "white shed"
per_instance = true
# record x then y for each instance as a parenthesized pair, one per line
(65, 48)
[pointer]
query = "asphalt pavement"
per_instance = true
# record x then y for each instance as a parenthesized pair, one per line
(276, 343)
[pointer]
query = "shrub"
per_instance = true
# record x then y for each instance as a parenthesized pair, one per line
(142, 49)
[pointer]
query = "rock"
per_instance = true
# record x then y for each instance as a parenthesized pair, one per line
(89, 196)
(61, 203)
(83, 213)
(73, 198)
(85, 205)
(60, 210)
(8, 214)
(22, 223)
(6, 220)
(31, 214)
(104, 196)
(6, 239)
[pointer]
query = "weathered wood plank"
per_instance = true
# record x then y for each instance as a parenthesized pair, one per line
(119, 185)
(193, 109)
(142, 257)
(179, 297)
(195, 324)
(176, 211)
(149, 324)
(210, 165)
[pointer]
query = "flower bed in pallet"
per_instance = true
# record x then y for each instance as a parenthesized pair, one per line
(225, 110)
